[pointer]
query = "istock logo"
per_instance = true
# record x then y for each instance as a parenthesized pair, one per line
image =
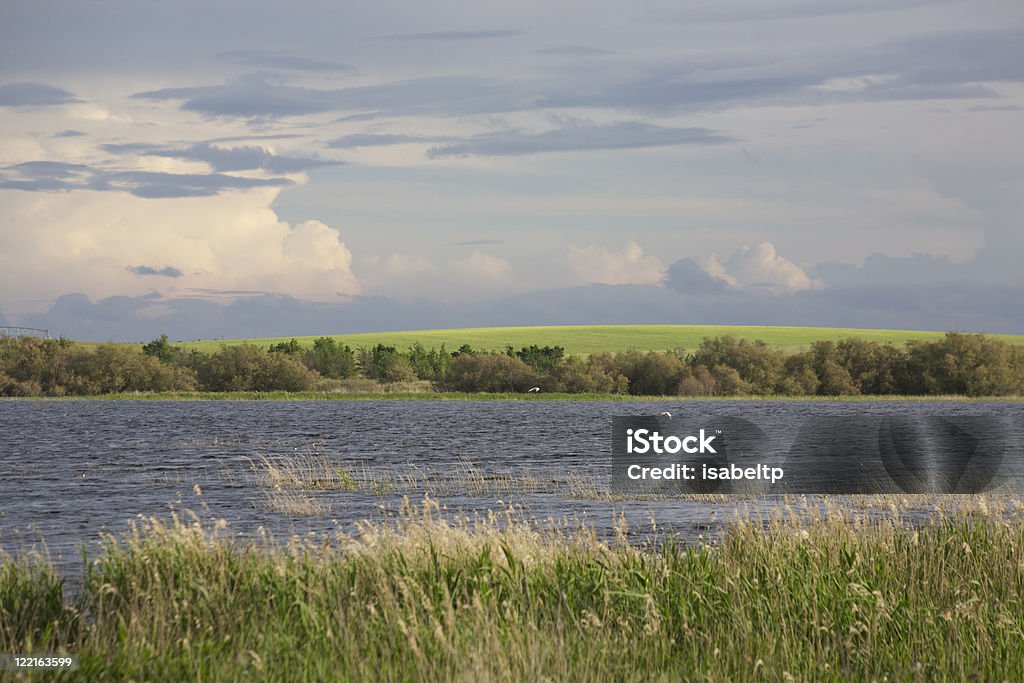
(643, 441)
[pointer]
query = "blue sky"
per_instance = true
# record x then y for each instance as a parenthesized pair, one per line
(228, 168)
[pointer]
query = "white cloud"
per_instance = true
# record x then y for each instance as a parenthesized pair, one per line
(628, 267)
(487, 269)
(85, 241)
(760, 266)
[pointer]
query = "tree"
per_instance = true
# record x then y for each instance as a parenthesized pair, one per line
(160, 349)
(331, 358)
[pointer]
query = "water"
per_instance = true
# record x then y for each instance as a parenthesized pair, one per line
(72, 470)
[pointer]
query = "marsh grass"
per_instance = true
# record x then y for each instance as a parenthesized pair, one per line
(313, 469)
(833, 596)
(310, 468)
(398, 394)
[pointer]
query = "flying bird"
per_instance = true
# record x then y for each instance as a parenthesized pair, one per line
(533, 390)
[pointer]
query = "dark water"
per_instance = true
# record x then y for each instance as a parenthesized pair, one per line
(70, 470)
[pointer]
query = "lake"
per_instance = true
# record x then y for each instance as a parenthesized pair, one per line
(71, 470)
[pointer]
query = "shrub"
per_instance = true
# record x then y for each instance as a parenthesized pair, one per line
(485, 372)
(249, 368)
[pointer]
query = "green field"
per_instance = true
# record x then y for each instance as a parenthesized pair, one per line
(585, 339)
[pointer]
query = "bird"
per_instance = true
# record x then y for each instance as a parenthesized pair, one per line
(533, 390)
(666, 414)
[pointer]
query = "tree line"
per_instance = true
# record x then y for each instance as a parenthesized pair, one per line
(957, 364)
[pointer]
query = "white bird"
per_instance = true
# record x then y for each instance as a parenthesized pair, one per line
(666, 414)
(533, 390)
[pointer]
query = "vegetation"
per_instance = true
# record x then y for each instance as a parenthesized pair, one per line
(955, 364)
(832, 599)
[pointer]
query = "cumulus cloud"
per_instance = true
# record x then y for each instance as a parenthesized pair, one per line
(80, 242)
(687, 276)
(482, 268)
(761, 267)
(601, 265)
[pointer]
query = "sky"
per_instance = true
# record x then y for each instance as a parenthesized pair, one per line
(223, 168)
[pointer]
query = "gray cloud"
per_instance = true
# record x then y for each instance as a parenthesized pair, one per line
(255, 96)
(166, 271)
(33, 94)
(380, 140)
(221, 159)
(938, 66)
(49, 176)
(579, 137)
(69, 134)
(248, 96)
(450, 36)
(881, 268)
(687, 276)
(279, 59)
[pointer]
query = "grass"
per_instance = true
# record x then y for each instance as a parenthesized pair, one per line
(834, 597)
(586, 339)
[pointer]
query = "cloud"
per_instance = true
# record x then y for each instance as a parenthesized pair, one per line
(80, 242)
(577, 138)
(883, 269)
(226, 159)
(600, 265)
(280, 59)
(256, 96)
(49, 176)
(33, 95)
(761, 267)
(961, 65)
(69, 134)
(166, 271)
(357, 140)
(452, 36)
(687, 276)
(247, 96)
(480, 268)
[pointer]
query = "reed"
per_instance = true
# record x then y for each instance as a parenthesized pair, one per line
(835, 595)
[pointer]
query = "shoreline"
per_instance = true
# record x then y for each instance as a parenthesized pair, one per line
(506, 397)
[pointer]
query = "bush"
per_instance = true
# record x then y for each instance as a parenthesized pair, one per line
(593, 376)
(112, 369)
(331, 359)
(249, 368)
(485, 372)
(652, 373)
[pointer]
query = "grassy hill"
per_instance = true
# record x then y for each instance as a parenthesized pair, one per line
(592, 338)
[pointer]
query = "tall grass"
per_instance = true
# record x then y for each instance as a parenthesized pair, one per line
(833, 597)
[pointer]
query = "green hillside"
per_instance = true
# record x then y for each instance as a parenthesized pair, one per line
(593, 338)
